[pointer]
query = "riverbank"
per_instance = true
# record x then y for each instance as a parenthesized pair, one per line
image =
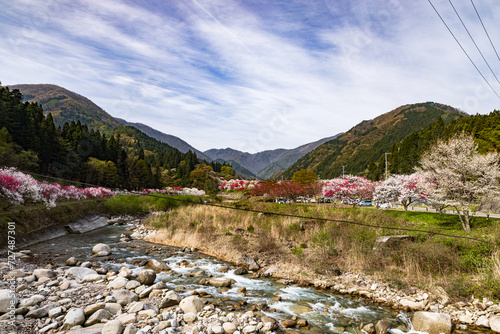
(93, 296)
(299, 251)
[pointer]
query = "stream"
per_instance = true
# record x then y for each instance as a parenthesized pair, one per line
(325, 312)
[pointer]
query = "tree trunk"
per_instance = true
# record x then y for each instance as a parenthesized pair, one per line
(465, 220)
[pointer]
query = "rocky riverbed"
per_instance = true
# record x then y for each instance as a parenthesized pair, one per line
(88, 297)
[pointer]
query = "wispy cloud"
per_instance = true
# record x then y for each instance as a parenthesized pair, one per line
(252, 75)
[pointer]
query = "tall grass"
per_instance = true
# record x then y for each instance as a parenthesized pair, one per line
(141, 204)
(462, 267)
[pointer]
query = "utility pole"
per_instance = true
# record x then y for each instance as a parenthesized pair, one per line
(386, 164)
(343, 170)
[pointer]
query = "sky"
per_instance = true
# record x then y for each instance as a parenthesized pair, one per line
(254, 75)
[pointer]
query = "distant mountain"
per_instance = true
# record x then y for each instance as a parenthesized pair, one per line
(362, 147)
(173, 141)
(66, 106)
(266, 163)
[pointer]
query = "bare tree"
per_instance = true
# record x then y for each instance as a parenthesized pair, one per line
(458, 176)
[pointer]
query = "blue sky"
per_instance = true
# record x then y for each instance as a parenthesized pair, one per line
(252, 75)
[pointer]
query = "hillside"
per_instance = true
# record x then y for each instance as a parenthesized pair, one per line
(266, 163)
(363, 146)
(66, 106)
(173, 141)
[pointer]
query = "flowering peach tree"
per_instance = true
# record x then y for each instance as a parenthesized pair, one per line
(236, 185)
(349, 187)
(18, 188)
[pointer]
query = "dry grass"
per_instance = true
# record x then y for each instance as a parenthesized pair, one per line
(313, 247)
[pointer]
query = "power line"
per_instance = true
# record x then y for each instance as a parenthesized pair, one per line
(285, 214)
(472, 39)
(493, 46)
(477, 69)
(330, 220)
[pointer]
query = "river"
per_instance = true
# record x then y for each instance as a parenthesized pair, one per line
(326, 312)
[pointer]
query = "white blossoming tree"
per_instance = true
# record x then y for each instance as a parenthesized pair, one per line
(402, 189)
(458, 176)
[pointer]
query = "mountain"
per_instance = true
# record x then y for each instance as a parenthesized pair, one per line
(362, 147)
(66, 106)
(266, 163)
(173, 141)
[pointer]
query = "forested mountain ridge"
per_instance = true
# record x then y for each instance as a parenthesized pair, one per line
(66, 106)
(361, 149)
(171, 140)
(485, 129)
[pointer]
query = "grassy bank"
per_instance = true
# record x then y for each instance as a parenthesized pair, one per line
(314, 247)
(33, 218)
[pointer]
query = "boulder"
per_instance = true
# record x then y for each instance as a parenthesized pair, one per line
(55, 312)
(72, 261)
(441, 295)
(131, 285)
(495, 323)
(229, 327)
(33, 300)
(101, 249)
(130, 329)
(126, 295)
(49, 273)
(191, 304)
(220, 281)
(38, 313)
(382, 327)
(118, 283)
(80, 272)
(98, 317)
(144, 293)
(413, 305)
(247, 262)
(483, 321)
(390, 240)
(91, 309)
(288, 323)
(432, 323)
(171, 298)
(113, 327)
(190, 317)
(7, 299)
(157, 266)
(146, 277)
(241, 271)
(74, 317)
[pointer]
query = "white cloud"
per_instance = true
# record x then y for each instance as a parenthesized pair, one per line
(253, 75)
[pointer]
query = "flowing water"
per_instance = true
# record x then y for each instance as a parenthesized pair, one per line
(326, 312)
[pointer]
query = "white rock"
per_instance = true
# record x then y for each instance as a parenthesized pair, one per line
(190, 317)
(483, 321)
(7, 300)
(432, 323)
(49, 273)
(113, 327)
(74, 317)
(191, 304)
(80, 272)
(495, 323)
(118, 283)
(99, 248)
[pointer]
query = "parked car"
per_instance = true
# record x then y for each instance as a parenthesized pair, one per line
(365, 202)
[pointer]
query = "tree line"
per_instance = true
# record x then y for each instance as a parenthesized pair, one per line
(125, 158)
